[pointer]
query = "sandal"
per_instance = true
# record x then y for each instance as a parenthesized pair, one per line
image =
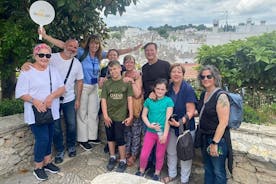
(168, 179)
(131, 161)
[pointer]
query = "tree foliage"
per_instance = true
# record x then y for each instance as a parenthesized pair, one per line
(18, 33)
(168, 28)
(246, 63)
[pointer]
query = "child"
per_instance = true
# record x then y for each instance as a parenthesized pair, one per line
(116, 104)
(155, 115)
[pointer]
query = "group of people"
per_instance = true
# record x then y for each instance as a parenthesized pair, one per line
(136, 108)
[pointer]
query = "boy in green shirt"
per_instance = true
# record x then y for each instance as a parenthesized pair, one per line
(116, 102)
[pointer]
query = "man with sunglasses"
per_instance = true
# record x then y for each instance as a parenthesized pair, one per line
(71, 72)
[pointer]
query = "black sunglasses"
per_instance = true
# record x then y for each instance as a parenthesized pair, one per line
(41, 55)
(202, 77)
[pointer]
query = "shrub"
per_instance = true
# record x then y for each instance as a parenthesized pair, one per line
(10, 107)
(263, 115)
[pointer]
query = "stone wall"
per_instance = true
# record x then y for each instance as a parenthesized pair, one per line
(254, 151)
(16, 145)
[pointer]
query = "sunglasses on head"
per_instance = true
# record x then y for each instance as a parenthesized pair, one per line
(41, 55)
(202, 77)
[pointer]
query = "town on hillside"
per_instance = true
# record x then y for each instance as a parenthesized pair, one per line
(181, 45)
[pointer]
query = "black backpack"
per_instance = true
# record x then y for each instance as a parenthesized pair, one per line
(184, 144)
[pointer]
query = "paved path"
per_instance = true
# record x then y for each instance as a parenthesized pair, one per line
(82, 170)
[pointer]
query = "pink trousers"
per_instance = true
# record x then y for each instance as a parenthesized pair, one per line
(150, 140)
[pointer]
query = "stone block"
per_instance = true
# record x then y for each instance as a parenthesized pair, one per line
(19, 133)
(244, 177)
(263, 165)
(247, 166)
(267, 172)
(121, 178)
(26, 150)
(2, 142)
(263, 178)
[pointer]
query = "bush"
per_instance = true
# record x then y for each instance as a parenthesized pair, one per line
(263, 115)
(10, 107)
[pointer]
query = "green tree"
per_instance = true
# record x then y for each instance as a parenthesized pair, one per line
(73, 18)
(246, 63)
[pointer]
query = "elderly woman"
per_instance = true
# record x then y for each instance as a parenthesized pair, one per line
(41, 86)
(184, 99)
(214, 111)
(133, 133)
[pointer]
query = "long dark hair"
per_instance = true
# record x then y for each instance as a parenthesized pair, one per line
(96, 39)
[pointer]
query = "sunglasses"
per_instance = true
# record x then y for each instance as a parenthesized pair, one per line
(202, 77)
(41, 55)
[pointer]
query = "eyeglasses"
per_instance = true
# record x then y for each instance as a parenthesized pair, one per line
(202, 77)
(41, 55)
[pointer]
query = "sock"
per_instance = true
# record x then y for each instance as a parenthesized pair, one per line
(123, 160)
(113, 156)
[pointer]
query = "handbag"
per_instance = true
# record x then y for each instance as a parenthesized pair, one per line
(184, 144)
(197, 143)
(42, 118)
(46, 117)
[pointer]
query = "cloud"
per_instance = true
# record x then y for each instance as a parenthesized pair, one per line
(179, 12)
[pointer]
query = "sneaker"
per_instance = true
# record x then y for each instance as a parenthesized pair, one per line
(121, 167)
(156, 177)
(139, 173)
(111, 164)
(150, 170)
(51, 168)
(40, 174)
(59, 157)
(72, 152)
(86, 146)
(96, 141)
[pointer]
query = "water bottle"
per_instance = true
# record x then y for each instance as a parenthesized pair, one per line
(160, 134)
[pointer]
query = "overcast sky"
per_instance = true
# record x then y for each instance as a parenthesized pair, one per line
(180, 12)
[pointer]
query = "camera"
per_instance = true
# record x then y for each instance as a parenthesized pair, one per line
(61, 98)
(173, 116)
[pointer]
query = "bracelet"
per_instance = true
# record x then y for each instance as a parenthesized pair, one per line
(187, 117)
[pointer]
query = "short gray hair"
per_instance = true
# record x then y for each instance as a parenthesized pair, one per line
(215, 73)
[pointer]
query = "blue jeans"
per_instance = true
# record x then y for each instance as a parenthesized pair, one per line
(214, 167)
(69, 115)
(43, 135)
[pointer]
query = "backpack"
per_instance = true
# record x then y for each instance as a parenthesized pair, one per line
(184, 144)
(236, 109)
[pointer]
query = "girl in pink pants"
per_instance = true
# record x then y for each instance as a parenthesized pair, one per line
(155, 116)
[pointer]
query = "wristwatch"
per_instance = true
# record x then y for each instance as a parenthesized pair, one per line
(31, 100)
(214, 142)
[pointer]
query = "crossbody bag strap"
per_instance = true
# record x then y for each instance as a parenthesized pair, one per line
(67, 75)
(50, 80)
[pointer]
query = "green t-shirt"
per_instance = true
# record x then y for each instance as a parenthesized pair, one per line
(157, 111)
(116, 93)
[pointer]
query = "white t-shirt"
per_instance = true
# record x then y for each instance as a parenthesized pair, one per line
(37, 84)
(76, 73)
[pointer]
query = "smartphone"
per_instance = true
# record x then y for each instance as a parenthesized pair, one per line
(219, 150)
(173, 116)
